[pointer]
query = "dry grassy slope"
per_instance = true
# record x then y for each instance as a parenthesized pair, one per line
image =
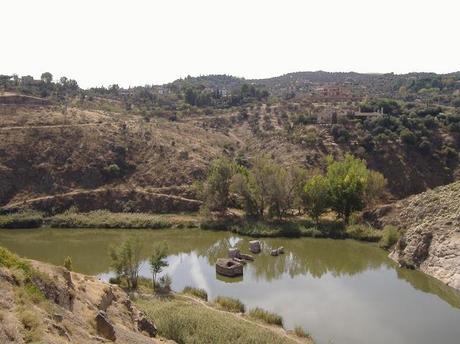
(69, 313)
(431, 239)
(55, 151)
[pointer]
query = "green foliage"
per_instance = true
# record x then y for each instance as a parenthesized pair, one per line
(216, 189)
(266, 316)
(23, 219)
(268, 185)
(68, 263)
(375, 186)
(126, 260)
(316, 197)
(363, 233)
(11, 261)
(157, 260)
(106, 219)
(348, 181)
(408, 137)
(229, 304)
(390, 235)
(198, 292)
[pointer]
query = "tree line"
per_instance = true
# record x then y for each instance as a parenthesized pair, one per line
(266, 189)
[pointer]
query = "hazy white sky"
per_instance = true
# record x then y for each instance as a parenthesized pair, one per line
(143, 42)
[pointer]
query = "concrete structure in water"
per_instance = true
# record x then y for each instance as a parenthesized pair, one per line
(228, 267)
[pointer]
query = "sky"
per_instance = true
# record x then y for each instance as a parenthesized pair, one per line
(135, 42)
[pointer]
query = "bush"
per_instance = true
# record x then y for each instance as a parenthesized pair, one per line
(300, 332)
(24, 219)
(408, 137)
(106, 219)
(390, 235)
(230, 304)
(266, 316)
(363, 232)
(68, 263)
(33, 326)
(198, 292)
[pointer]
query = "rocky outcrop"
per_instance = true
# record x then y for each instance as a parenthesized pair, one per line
(430, 226)
(104, 327)
(77, 309)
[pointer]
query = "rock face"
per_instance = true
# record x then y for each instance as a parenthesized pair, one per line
(430, 223)
(104, 327)
(79, 309)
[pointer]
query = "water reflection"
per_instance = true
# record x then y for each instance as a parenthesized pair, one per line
(341, 291)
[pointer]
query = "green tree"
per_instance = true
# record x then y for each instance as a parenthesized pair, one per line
(316, 198)
(157, 260)
(47, 78)
(216, 189)
(260, 183)
(347, 181)
(375, 186)
(126, 260)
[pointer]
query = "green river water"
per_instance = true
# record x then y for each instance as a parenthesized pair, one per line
(341, 291)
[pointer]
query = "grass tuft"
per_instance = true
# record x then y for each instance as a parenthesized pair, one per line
(229, 304)
(390, 235)
(300, 332)
(198, 292)
(266, 316)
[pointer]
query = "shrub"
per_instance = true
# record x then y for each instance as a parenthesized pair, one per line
(363, 232)
(23, 219)
(126, 260)
(390, 235)
(32, 325)
(68, 263)
(198, 292)
(107, 219)
(230, 304)
(300, 332)
(266, 316)
(408, 137)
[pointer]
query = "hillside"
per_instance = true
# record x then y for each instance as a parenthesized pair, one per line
(430, 223)
(41, 303)
(157, 160)
(142, 149)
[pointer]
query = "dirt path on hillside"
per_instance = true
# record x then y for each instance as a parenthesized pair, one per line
(276, 329)
(75, 192)
(53, 126)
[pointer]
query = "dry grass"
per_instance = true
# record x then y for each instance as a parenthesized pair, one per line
(266, 316)
(198, 292)
(187, 323)
(229, 304)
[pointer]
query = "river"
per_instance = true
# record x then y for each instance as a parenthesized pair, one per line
(341, 291)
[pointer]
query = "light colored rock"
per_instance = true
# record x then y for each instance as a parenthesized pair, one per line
(431, 242)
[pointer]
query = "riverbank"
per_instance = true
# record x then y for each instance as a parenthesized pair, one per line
(45, 303)
(291, 228)
(186, 319)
